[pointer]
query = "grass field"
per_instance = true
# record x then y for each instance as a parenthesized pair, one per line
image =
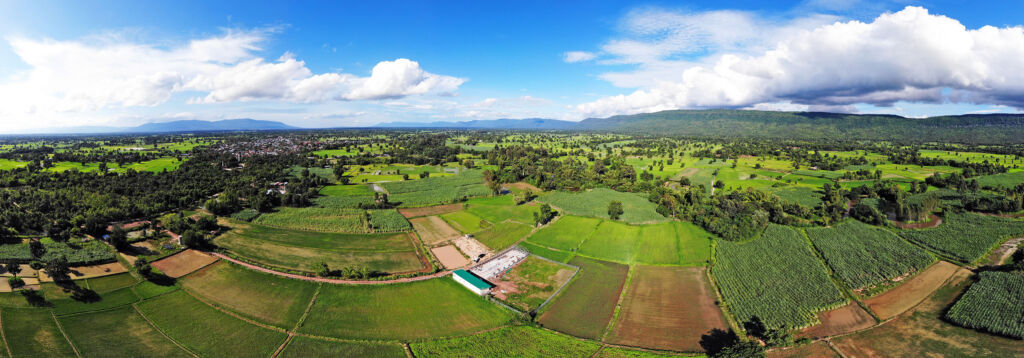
(465, 221)
(346, 190)
(776, 278)
(301, 250)
(34, 333)
(425, 309)
(585, 307)
(546, 252)
(515, 341)
(500, 208)
(566, 234)
(118, 298)
(120, 332)
(535, 280)
(861, 255)
(612, 241)
(263, 297)
(594, 203)
(205, 330)
(1004, 180)
(302, 347)
(659, 244)
(966, 236)
(667, 308)
(437, 190)
(7, 164)
(502, 235)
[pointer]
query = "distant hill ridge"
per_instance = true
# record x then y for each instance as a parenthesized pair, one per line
(504, 123)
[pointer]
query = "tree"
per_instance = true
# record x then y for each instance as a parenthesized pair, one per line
(57, 268)
(322, 269)
(193, 239)
(339, 171)
(425, 174)
(741, 349)
(544, 215)
(37, 248)
(13, 268)
(118, 237)
(615, 210)
(346, 180)
(207, 223)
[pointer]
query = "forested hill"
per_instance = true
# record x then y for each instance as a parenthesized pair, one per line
(980, 128)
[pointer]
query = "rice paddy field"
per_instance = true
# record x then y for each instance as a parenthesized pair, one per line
(585, 307)
(403, 311)
(259, 296)
(302, 347)
(502, 235)
(517, 341)
(594, 203)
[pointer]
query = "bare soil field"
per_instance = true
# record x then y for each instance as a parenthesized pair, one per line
(816, 350)
(434, 230)
(449, 256)
(846, 319)
(472, 248)
(922, 332)
(80, 272)
(429, 210)
(905, 296)
(184, 263)
(523, 186)
(667, 308)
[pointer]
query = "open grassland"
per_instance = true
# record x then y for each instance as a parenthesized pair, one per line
(566, 234)
(534, 280)
(433, 308)
(923, 332)
(263, 297)
(120, 332)
(301, 250)
(613, 241)
(667, 308)
(465, 222)
(546, 252)
(594, 203)
(584, 308)
(966, 236)
(515, 341)
(993, 304)
(502, 235)
(34, 333)
(861, 255)
(7, 164)
(437, 190)
(911, 292)
(775, 278)
(207, 331)
(500, 208)
(303, 347)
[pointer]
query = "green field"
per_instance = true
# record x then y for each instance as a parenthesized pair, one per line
(594, 203)
(437, 190)
(502, 235)
(1004, 180)
(861, 255)
(120, 332)
(585, 307)
(776, 278)
(7, 164)
(301, 250)
(263, 297)
(515, 341)
(546, 252)
(433, 308)
(117, 298)
(302, 347)
(675, 243)
(34, 333)
(566, 234)
(205, 330)
(500, 208)
(993, 304)
(346, 190)
(465, 222)
(536, 280)
(965, 236)
(336, 220)
(612, 241)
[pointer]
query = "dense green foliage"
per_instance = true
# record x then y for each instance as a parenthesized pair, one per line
(966, 236)
(775, 278)
(861, 255)
(994, 304)
(437, 190)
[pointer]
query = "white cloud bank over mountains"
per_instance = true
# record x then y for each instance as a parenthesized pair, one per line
(81, 76)
(735, 59)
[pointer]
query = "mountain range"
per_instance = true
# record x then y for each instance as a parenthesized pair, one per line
(191, 125)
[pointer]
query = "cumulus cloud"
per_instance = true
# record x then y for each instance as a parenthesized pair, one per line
(578, 56)
(80, 75)
(910, 55)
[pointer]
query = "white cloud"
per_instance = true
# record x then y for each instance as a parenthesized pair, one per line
(66, 77)
(578, 56)
(909, 56)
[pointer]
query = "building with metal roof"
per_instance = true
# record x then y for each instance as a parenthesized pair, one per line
(472, 282)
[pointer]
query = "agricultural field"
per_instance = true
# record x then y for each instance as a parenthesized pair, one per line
(594, 203)
(465, 221)
(502, 235)
(7, 164)
(433, 230)
(34, 333)
(302, 347)
(497, 209)
(993, 304)
(517, 341)
(667, 308)
(301, 250)
(912, 291)
(862, 256)
(675, 243)
(612, 241)
(532, 282)
(566, 234)
(966, 237)
(117, 332)
(335, 220)
(262, 297)
(585, 307)
(437, 190)
(775, 278)
(1003, 180)
(405, 311)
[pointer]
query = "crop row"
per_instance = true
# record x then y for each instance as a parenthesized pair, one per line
(862, 255)
(994, 304)
(966, 236)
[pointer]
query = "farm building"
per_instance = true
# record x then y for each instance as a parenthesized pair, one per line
(473, 283)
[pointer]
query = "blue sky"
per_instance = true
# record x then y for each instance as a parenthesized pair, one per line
(312, 63)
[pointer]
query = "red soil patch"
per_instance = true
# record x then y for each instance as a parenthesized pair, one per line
(524, 186)
(667, 308)
(184, 263)
(429, 210)
(846, 319)
(904, 297)
(816, 349)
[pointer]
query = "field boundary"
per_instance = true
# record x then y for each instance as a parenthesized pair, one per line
(4, 336)
(283, 346)
(618, 303)
(329, 280)
(66, 338)
(157, 328)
